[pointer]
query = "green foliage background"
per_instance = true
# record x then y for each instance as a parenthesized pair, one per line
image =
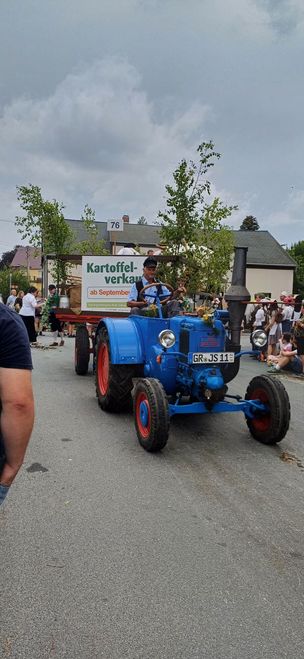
(194, 229)
(44, 226)
(296, 251)
(249, 223)
(19, 280)
(92, 244)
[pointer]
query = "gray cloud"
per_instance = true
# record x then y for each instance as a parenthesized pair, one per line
(100, 101)
(96, 141)
(284, 15)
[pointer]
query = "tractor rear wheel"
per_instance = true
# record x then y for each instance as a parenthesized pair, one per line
(82, 350)
(151, 411)
(269, 427)
(113, 381)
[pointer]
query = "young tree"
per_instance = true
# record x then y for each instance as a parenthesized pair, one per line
(192, 229)
(93, 244)
(142, 220)
(44, 226)
(249, 223)
(296, 251)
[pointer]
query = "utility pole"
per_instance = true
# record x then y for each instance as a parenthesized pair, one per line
(27, 262)
(43, 280)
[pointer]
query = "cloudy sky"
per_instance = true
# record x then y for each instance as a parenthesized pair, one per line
(100, 100)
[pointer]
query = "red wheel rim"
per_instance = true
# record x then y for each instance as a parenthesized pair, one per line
(143, 415)
(103, 367)
(261, 423)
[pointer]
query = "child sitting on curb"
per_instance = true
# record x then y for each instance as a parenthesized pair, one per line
(287, 358)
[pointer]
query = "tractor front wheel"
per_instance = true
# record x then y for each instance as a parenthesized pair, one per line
(113, 381)
(269, 427)
(82, 350)
(151, 411)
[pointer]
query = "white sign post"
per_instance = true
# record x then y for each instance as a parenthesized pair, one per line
(107, 280)
(112, 227)
(115, 225)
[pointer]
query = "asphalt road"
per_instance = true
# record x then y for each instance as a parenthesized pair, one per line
(108, 551)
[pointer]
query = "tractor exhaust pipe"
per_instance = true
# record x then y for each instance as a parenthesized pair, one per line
(236, 298)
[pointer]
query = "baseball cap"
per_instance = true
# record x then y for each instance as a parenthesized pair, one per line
(150, 262)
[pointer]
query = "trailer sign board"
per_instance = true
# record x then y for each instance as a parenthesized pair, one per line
(106, 281)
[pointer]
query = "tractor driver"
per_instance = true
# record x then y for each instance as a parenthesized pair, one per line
(138, 303)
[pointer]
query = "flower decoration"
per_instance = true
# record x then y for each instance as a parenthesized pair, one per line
(151, 311)
(206, 313)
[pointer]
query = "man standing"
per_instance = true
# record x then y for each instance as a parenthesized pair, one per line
(11, 298)
(128, 250)
(287, 312)
(56, 326)
(16, 396)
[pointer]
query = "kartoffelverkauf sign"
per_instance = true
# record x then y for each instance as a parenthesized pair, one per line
(106, 281)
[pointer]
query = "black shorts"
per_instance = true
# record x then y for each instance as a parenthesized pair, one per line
(300, 344)
(56, 325)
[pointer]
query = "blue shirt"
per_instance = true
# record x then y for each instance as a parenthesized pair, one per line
(15, 351)
(133, 295)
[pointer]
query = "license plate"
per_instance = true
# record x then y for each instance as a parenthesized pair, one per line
(212, 357)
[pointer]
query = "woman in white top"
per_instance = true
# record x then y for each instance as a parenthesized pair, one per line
(287, 312)
(260, 317)
(259, 323)
(27, 312)
(275, 333)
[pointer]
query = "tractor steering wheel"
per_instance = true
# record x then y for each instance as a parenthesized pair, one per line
(159, 283)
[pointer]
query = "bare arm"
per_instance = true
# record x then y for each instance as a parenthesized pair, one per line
(17, 418)
(39, 304)
(288, 353)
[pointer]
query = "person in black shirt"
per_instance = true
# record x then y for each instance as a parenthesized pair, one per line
(16, 396)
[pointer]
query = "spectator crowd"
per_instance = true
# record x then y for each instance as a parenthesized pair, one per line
(283, 323)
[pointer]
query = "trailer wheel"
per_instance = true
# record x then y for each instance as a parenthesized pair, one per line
(82, 350)
(113, 381)
(270, 427)
(151, 412)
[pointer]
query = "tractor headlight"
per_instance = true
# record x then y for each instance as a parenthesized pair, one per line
(167, 338)
(259, 339)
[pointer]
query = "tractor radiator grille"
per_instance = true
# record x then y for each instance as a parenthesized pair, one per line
(184, 341)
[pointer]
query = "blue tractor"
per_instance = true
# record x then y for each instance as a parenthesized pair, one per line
(182, 365)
